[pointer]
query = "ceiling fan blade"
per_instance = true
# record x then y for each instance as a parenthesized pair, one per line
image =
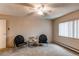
(56, 5)
(31, 13)
(26, 4)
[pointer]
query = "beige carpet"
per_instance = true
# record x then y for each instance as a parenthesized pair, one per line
(45, 50)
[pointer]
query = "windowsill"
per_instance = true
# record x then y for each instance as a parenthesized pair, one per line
(68, 37)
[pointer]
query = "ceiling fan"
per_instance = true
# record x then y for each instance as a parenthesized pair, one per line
(40, 9)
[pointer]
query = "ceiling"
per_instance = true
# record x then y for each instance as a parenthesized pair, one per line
(25, 9)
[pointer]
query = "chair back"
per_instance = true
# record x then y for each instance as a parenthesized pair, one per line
(19, 39)
(42, 38)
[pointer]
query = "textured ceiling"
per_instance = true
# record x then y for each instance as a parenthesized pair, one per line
(23, 9)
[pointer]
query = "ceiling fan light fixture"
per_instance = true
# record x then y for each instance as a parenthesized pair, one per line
(40, 12)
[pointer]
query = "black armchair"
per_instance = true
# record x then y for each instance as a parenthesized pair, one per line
(42, 38)
(19, 41)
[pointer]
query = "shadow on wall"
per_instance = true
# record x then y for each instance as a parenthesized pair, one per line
(10, 42)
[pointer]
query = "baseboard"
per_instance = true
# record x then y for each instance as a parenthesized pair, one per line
(68, 47)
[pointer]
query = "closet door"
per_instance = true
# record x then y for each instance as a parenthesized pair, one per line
(2, 33)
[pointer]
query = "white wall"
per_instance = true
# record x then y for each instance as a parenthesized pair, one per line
(67, 41)
(27, 26)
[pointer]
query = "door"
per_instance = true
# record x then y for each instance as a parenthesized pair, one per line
(2, 33)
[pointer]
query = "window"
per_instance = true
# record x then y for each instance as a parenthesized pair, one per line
(78, 29)
(63, 29)
(69, 29)
(75, 29)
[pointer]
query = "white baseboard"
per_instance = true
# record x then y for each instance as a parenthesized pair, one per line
(68, 47)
